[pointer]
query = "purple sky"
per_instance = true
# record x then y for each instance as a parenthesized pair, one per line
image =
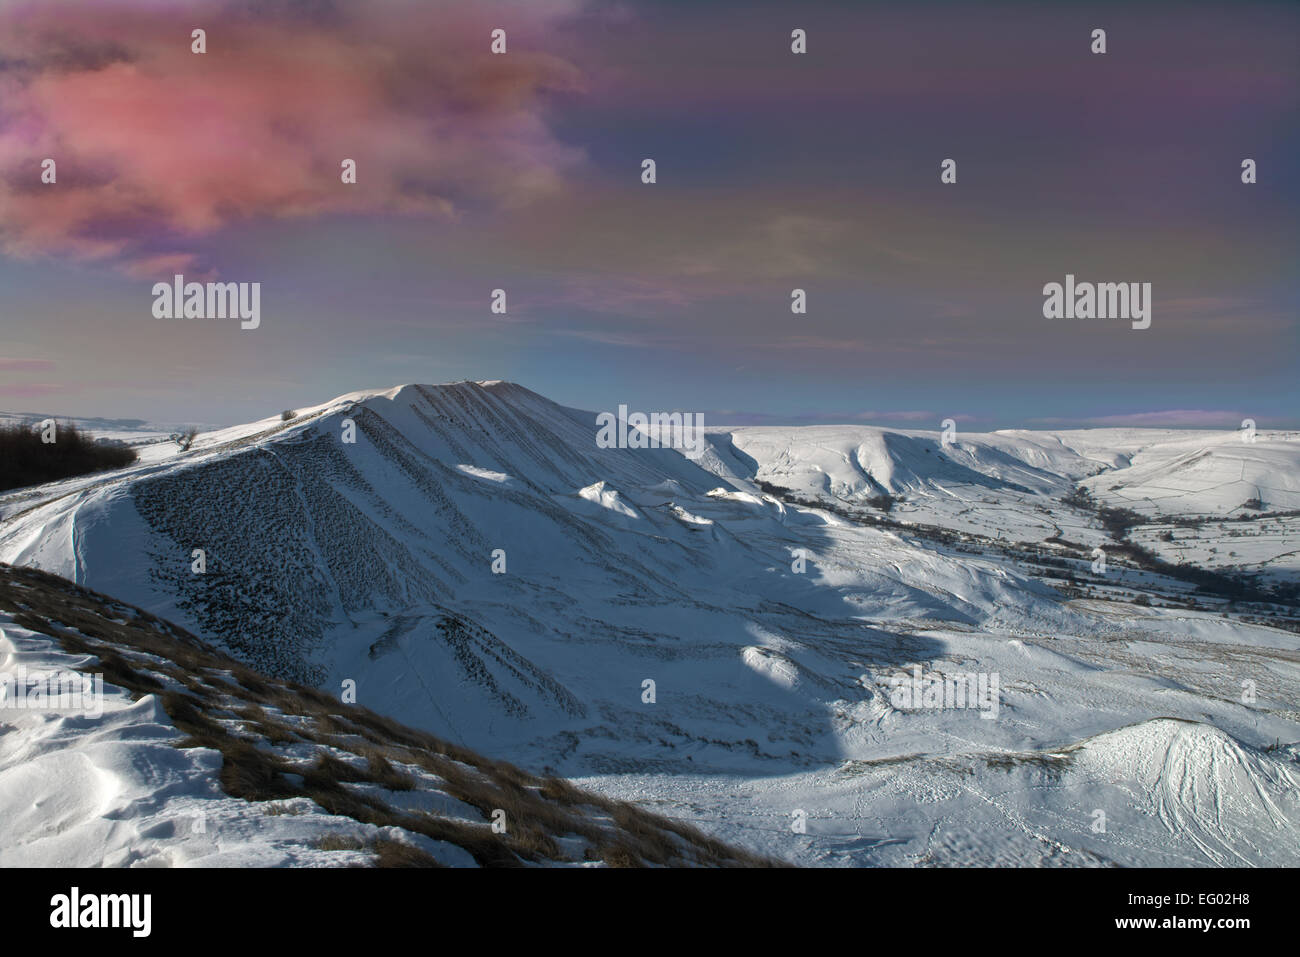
(775, 171)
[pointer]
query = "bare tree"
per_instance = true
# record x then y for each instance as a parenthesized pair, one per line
(185, 437)
(287, 415)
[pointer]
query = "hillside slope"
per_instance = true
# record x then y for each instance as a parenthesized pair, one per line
(191, 759)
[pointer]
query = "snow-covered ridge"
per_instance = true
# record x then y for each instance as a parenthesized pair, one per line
(1225, 500)
(1162, 471)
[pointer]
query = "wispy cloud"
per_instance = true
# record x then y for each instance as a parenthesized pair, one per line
(1168, 418)
(28, 390)
(605, 338)
(928, 420)
(8, 364)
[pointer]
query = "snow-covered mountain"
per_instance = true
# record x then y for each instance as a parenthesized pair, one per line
(717, 635)
(374, 560)
(1008, 484)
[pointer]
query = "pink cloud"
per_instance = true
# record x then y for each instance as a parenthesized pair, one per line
(167, 264)
(157, 145)
(25, 365)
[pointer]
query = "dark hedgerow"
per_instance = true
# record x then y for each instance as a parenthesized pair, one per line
(25, 459)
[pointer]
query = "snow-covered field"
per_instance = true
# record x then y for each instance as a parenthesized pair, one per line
(482, 569)
(112, 790)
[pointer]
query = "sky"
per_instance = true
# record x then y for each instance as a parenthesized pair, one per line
(522, 171)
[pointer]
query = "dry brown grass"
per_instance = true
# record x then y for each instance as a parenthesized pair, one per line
(395, 854)
(340, 842)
